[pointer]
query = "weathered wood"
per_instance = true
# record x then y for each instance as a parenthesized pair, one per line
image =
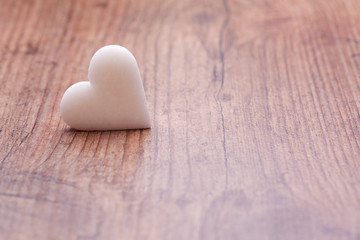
(255, 121)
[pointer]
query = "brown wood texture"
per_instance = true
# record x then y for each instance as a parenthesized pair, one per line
(255, 121)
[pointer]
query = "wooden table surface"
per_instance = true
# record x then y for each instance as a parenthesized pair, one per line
(255, 110)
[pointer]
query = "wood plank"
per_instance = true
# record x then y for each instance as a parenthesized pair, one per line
(255, 121)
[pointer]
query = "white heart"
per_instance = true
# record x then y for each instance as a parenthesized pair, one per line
(112, 99)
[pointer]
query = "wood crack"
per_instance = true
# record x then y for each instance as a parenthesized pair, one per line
(222, 80)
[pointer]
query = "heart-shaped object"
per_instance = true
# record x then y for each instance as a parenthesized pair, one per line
(112, 99)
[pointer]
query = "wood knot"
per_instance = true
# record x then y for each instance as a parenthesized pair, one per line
(101, 5)
(203, 17)
(31, 49)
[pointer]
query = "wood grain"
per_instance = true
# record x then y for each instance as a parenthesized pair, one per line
(255, 121)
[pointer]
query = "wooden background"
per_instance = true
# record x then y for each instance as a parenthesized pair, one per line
(255, 108)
